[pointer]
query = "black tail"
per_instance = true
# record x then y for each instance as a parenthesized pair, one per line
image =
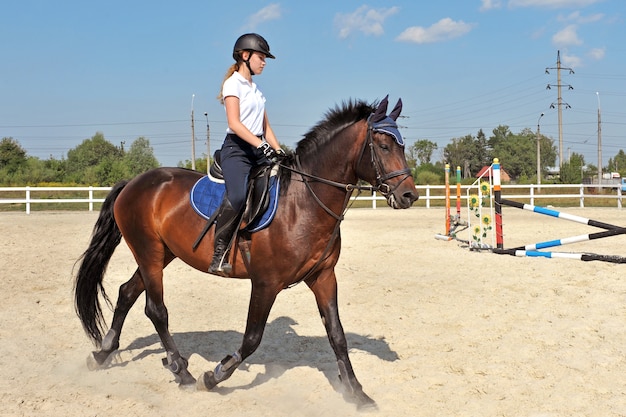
(93, 264)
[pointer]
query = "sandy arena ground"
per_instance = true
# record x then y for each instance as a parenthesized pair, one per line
(434, 329)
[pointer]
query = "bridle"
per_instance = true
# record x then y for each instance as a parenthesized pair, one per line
(381, 186)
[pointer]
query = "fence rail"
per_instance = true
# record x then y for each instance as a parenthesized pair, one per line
(428, 194)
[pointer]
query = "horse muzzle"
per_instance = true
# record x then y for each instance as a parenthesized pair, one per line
(402, 199)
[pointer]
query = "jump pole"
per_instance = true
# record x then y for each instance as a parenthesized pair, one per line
(447, 236)
(532, 250)
(447, 182)
(497, 195)
(448, 205)
(458, 193)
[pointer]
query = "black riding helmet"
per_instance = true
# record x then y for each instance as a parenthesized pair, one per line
(251, 42)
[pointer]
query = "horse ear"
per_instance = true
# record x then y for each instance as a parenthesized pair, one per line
(396, 110)
(381, 111)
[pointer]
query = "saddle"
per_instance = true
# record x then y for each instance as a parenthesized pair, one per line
(257, 201)
(261, 201)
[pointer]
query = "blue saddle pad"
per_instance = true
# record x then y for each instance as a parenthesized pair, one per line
(207, 195)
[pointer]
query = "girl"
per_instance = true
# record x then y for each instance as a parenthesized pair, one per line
(249, 142)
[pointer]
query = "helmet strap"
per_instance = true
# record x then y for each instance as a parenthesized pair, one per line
(247, 62)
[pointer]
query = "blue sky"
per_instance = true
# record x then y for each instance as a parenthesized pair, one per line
(137, 68)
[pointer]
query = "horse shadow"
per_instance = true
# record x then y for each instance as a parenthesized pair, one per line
(292, 351)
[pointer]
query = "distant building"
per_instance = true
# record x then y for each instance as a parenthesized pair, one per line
(504, 176)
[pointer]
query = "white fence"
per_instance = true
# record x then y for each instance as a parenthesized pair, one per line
(425, 191)
(29, 199)
(532, 193)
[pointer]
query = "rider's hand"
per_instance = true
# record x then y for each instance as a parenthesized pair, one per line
(280, 154)
(269, 152)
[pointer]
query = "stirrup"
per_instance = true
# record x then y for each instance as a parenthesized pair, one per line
(221, 267)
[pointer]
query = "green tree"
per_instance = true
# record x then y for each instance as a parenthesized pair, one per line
(468, 151)
(140, 157)
(572, 170)
(618, 163)
(201, 164)
(429, 174)
(92, 162)
(514, 151)
(54, 169)
(12, 156)
(518, 152)
(422, 151)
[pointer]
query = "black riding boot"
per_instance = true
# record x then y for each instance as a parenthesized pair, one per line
(227, 222)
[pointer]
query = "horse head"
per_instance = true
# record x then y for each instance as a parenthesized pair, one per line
(387, 169)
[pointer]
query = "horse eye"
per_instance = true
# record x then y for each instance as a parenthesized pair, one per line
(384, 146)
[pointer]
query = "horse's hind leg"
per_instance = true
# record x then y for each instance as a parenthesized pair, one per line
(157, 313)
(128, 294)
(325, 290)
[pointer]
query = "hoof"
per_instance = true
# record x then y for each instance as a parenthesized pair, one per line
(365, 403)
(92, 363)
(99, 360)
(188, 387)
(185, 379)
(206, 382)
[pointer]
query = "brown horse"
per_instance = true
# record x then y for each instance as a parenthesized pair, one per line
(153, 214)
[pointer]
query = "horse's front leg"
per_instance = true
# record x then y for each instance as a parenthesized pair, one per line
(261, 302)
(325, 290)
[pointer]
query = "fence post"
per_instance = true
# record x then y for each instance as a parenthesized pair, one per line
(532, 195)
(374, 199)
(619, 197)
(582, 195)
(427, 196)
(90, 198)
(27, 199)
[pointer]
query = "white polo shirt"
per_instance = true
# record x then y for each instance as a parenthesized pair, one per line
(251, 102)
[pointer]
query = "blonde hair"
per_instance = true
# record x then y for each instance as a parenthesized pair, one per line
(231, 70)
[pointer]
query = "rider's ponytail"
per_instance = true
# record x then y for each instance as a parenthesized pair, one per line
(230, 72)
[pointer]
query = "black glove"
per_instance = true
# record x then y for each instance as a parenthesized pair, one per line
(280, 154)
(269, 152)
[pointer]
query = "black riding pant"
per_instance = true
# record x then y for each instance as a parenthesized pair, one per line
(238, 158)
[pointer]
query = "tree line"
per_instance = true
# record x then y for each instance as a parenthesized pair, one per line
(517, 153)
(98, 162)
(95, 161)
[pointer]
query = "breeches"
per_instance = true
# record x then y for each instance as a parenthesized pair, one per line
(238, 158)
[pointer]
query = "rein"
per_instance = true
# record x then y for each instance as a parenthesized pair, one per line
(381, 186)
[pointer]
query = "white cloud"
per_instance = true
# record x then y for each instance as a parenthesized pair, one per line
(270, 12)
(552, 4)
(566, 37)
(364, 19)
(577, 18)
(597, 53)
(490, 4)
(571, 61)
(443, 30)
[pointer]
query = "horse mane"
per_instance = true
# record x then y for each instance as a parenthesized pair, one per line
(335, 120)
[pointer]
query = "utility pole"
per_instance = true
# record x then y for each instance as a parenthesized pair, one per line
(559, 102)
(193, 138)
(208, 143)
(599, 142)
(539, 152)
